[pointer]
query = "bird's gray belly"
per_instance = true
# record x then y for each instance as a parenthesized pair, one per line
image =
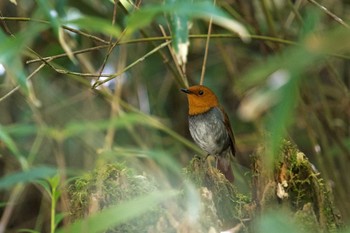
(209, 132)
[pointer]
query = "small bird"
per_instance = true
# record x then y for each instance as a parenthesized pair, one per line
(210, 127)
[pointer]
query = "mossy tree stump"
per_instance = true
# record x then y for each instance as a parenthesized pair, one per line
(292, 185)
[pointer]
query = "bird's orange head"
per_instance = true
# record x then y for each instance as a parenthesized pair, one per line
(200, 99)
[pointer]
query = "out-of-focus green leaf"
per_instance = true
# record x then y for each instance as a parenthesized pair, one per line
(96, 24)
(26, 176)
(162, 157)
(59, 217)
(11, 145)
(282, 114)
(179, 25)
(128, 5)
(11, 49)
(119, 214)
(275, 223)
(28, 231)
(79, 127)
(203, 10)
(51, 14)
(43, 183)
(293, 62)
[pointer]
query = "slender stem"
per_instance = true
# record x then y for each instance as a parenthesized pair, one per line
(162, 38)
(268, 17)
(53, 208)
(205, 58)
(112, 76)
(183, 80)
(329, 13)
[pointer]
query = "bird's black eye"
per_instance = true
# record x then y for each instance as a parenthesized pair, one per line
(200, 92)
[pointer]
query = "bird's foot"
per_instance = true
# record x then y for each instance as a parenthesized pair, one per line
(210, 163)
(210, 159)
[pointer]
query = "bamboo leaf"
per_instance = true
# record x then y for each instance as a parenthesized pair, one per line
(118, 214)
(96, 25)
(193, 10)
(11, 145)
(26, 176)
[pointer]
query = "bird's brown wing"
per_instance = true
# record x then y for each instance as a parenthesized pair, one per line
(230, 132)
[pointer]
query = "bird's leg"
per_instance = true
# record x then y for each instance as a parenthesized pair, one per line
(209, 162)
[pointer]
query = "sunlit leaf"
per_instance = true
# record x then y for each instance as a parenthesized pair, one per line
(113, 216)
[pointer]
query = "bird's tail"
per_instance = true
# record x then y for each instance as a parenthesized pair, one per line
(224, 165)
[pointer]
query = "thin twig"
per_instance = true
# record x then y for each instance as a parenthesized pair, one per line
(6, 215)
(111, 45)
(65, 55)
(112, 76)
(17, 87)
(47, 22)
(206, 50)
(161, 38)
(329, 13)
(177, 65)
(115, 105)
(294, 13)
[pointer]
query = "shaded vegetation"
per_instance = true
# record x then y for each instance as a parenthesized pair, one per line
(90, 104)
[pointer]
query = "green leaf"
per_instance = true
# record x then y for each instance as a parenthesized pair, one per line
(118, 214)
(79, 127)
(21, 129)
(203, 10)
(51, 14)
(179, 25)
(162, 157)
(26, 176)
(54, 181)
(3, 204)
(28, 231)
(11, 145)
(59, 217)
(45, 185)
(277, 222)
(96, 25)
(11, 49)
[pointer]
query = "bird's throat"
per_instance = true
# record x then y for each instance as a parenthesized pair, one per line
(196, 110)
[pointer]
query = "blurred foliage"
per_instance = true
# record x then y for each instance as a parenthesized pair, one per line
(86, 83)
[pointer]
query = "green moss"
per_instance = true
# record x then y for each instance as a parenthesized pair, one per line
(110, 185)
(306, 219)
(115, 183)
(306, 189)
(230, 206)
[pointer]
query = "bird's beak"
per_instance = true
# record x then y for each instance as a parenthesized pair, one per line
(186, 90)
